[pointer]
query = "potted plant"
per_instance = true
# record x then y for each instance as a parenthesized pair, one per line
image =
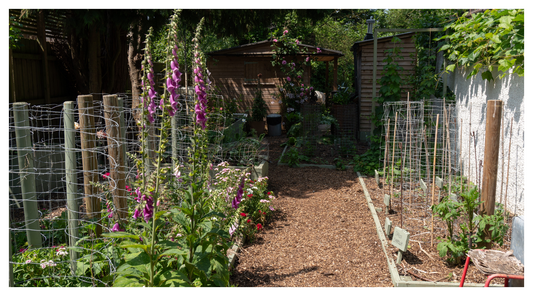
(259, 110)
(326, 120)
(343, 109)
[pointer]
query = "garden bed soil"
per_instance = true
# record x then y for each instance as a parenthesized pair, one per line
(327, 153)
(322, 235)
(421, 259)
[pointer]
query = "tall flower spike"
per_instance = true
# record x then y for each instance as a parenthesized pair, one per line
(173, 75)
(148, 84)
(235, 203)
(199, 84)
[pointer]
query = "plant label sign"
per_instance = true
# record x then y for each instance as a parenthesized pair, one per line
(386, 200)
(453, 197)
(438, 182)
(388, 225)
(424, 187)
(400, 239)
(377, 177)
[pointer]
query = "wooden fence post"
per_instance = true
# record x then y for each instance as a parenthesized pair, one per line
(117, 176)
(490, 162)
(123, 139)
(71, 180)
(27, 178)
(89, 161)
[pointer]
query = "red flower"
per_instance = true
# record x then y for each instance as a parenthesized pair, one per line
(259, 226)
(259, 212)
(243, 214)
(269, 193)
(250, 195)
(105, 175)
(248, 221)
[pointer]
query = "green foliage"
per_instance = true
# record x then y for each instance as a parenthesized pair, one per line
(367, 162)
(337, 31)
(342, 96)
(292, 157)
(391, 83)
(14, 32)
(259, 107)
(487, 41)
(472, 227)
(288, 56)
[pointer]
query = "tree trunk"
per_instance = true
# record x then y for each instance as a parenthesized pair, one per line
(134, 62)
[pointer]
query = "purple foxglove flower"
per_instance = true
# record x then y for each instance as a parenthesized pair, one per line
(232, 229)
(116, 228)
(148, 213)
(136, 214)
(151, 93)
(235, 203)
(110, 215)
(138, 191)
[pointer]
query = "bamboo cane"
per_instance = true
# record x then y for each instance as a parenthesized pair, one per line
(461, 155)
(385, 157)
(443, 163)
(508, 162)
(391, 185)
(433, 184)
(427, 168)
(409, 128)
(401, 184)
(448, 149)
(469, 147)
(503, 158)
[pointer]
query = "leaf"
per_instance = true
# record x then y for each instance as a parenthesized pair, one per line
(135, 259)
(450, 68)
(129, 244)
(172, 252)
(120, 234)
(487, 75)
(122, 281)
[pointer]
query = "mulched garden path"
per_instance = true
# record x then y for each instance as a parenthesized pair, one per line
(322, 235)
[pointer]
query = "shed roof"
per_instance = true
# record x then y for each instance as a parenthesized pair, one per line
(382, 39)
(263, 49)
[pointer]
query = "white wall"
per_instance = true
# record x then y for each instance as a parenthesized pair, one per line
(475, 92)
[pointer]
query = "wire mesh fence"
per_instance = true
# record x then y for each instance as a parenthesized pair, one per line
(429, 148)
(71, 174)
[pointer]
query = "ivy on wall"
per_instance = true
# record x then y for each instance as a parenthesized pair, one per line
(486, 41)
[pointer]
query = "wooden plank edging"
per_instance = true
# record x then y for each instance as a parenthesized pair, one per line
(395, 277)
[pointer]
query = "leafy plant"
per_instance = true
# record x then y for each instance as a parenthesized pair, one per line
(259, 107)
(486, 41)
(472, 233)
(292, 157)
(343, 96)
(391, 83)
(367, 162)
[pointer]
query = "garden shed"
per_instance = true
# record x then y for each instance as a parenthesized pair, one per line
(363, 79)
(234, 71)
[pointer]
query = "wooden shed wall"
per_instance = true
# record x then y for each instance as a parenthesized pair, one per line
(235, 77)
(365, 69)
(28, 75)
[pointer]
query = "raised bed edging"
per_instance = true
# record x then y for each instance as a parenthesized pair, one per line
(397, 280)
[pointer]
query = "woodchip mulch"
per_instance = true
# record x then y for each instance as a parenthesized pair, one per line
(322, 235)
